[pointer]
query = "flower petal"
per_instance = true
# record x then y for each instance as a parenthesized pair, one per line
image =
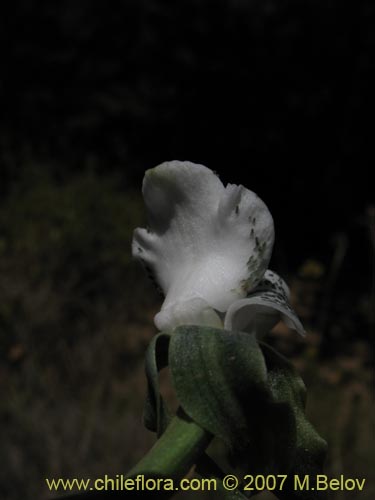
(190, 312)
(263, 308)
(206, 241)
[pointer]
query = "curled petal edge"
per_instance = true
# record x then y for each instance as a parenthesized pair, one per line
(260, 313)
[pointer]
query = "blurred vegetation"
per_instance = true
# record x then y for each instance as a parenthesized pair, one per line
(74, 319)
(76, 315)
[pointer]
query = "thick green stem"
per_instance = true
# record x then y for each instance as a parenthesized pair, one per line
(175, 452)
(171, 457)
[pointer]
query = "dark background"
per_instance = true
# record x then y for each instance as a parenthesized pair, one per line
(272, 94)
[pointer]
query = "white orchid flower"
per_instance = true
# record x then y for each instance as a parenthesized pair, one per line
(208, 248)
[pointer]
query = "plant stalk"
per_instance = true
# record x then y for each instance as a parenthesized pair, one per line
(171, 457)
(176, 451)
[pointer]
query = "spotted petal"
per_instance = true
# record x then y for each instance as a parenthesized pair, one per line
(205, 240)
(263, 308)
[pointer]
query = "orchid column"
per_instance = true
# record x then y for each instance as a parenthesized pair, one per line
(208, 248)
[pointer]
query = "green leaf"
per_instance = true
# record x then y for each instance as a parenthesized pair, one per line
(243, 392)
(287, 387)
(220, 378)
(211, 370)
(156, 415)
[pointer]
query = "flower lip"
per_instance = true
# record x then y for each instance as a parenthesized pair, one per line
(205, 241)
